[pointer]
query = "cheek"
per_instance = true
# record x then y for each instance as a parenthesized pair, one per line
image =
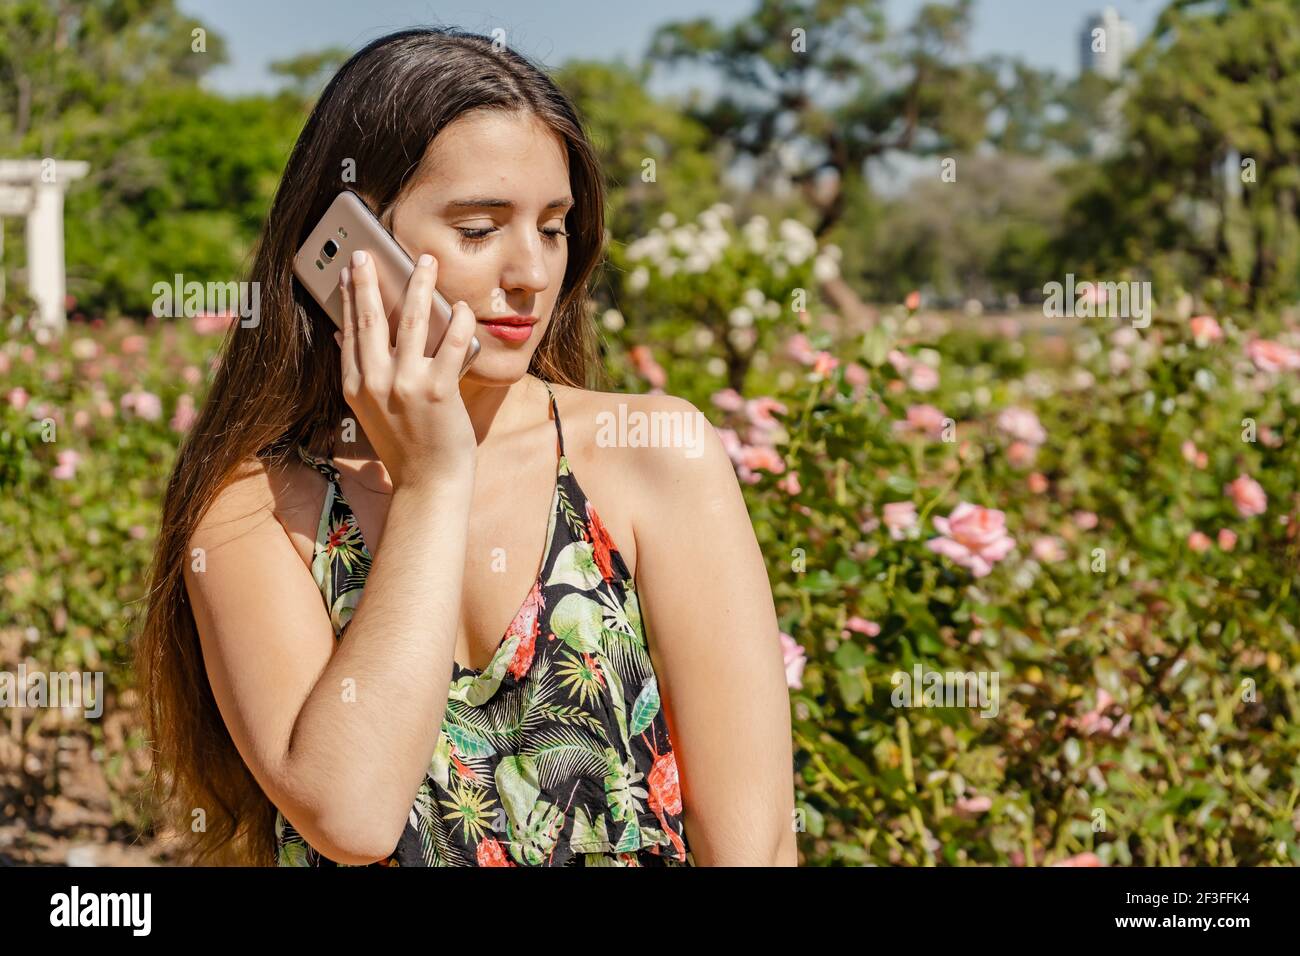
(463, 275)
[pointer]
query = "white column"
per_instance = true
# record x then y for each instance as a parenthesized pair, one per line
(45, 254)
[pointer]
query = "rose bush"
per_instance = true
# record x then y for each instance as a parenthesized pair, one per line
(1106, 520)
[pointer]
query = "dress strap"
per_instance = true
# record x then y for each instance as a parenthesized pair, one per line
(323, 465)
(555, 410)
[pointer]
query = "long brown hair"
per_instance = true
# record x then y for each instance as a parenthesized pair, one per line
(278, 384)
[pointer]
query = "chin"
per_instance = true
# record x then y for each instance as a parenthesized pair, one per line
(498, 369)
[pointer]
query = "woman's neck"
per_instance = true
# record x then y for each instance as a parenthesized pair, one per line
(492, 409)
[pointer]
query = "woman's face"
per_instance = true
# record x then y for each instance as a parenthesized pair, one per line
(491, 210)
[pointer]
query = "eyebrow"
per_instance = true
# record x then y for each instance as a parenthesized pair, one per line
(480, 202)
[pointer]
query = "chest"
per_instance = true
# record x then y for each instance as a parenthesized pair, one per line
(513, 525)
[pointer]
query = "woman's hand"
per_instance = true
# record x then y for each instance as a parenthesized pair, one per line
(409, 404)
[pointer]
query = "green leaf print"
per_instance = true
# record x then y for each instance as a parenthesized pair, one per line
(468, 743)
(588, 837)
(630, 841)
(343, 609)
(632, 607)
(440, 765)
(516, 779)
(576, 620)
(534, 825)
(576, 566)
(622, 794)
(645, 708)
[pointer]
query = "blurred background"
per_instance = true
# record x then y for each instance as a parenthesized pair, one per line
(842, 231)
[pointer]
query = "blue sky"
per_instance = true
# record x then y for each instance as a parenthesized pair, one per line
(1043, 32)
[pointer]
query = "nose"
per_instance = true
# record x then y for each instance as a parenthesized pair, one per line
(525, 267)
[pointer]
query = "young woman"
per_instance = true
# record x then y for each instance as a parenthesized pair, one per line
(617, 699)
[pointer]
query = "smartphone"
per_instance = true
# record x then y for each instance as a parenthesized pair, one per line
(349, 224)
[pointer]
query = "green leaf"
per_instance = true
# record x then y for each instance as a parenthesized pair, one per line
(576, 566)
(577, 620)
(645, 708)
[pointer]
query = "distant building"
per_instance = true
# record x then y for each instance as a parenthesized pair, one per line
(1105, 43)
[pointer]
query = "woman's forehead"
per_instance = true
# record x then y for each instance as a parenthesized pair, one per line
(490, 154)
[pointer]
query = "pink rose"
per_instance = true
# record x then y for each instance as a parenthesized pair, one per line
(1227, 539)
(1205, 330)
(1247, 494)
(795, 659)
(731, 443)
(1022, 454)
(647, 367)
(856, 375)
(862, 626)
(1198, 542)
(824, 363)
(972, 806)
(1271, 356)
(925, 418)
(17, 397)
(1022, 425)
(209, 323)
(759, 412)
(1037, 482)
(134, 344)
(144, 404)
(185, 415)
(790, 483)
(1080, 859)
(797, 348)
(1194, 456)
(1048, 549)
(66, 469)
(1085, 520)
(922, 378)
(913, 301)
(728, 399)
(973, 537)
(900, 518)
(761, 457)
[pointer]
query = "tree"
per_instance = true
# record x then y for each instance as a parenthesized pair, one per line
(1208, 180)
(815, 89)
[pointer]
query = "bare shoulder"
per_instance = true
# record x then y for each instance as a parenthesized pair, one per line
(661, 447)
(262, 497)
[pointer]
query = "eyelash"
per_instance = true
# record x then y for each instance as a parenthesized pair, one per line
(471, 239)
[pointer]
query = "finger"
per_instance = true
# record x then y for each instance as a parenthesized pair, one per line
(413, 325)
(348, 347)
(449, 358)
(371, 320)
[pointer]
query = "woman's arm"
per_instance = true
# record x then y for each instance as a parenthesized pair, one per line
(338, 737)
(715, 644)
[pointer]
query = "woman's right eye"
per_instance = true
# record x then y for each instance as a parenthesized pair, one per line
(471, 238)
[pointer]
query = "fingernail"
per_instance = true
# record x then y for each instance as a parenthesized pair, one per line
(425, 260)
(344, 276)
(359, 257)
(338, 337)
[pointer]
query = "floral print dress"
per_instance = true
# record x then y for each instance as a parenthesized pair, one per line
(557, 752)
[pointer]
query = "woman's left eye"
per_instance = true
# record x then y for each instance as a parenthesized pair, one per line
(471, 237)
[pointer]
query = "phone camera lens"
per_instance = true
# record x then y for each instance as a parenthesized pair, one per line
(330, 250)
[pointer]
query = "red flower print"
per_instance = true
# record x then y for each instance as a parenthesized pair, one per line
(666, 794)
(490, 853)
(601, 543)
(527, 625)
(338, 536)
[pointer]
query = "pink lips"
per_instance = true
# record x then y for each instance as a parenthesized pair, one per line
(511, 328)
